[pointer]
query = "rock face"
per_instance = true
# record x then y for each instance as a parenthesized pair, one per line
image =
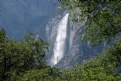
(76, 51)
(18, 17)
(79, 51)
(51, 32)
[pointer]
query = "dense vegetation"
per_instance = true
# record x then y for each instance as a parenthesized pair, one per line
(102, 18)
(24, 60)
(16, 57)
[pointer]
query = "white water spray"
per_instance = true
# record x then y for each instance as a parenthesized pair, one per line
(60, 42)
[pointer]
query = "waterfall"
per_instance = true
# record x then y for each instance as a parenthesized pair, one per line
(60, 42)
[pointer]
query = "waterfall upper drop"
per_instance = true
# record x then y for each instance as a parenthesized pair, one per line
(60, 42)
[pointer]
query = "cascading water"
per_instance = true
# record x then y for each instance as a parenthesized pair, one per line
(59, 44)
(65, 47)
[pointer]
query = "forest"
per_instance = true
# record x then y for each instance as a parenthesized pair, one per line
(24, 60)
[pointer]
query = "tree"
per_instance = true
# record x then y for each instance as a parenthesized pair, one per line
(43, 74)
(102, 18)
(100, 68)
(102, 24)
(17, 57)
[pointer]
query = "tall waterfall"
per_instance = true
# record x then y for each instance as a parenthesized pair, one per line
(60, 41)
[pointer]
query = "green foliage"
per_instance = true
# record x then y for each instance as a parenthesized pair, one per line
(102, 24)
(100, 68)
(45, 74)
(24, 60)
(2, 36)
(18, 56)
(102, 18)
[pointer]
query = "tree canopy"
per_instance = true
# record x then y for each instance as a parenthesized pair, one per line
(18, 56)
(24, 60)
(102, 18)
